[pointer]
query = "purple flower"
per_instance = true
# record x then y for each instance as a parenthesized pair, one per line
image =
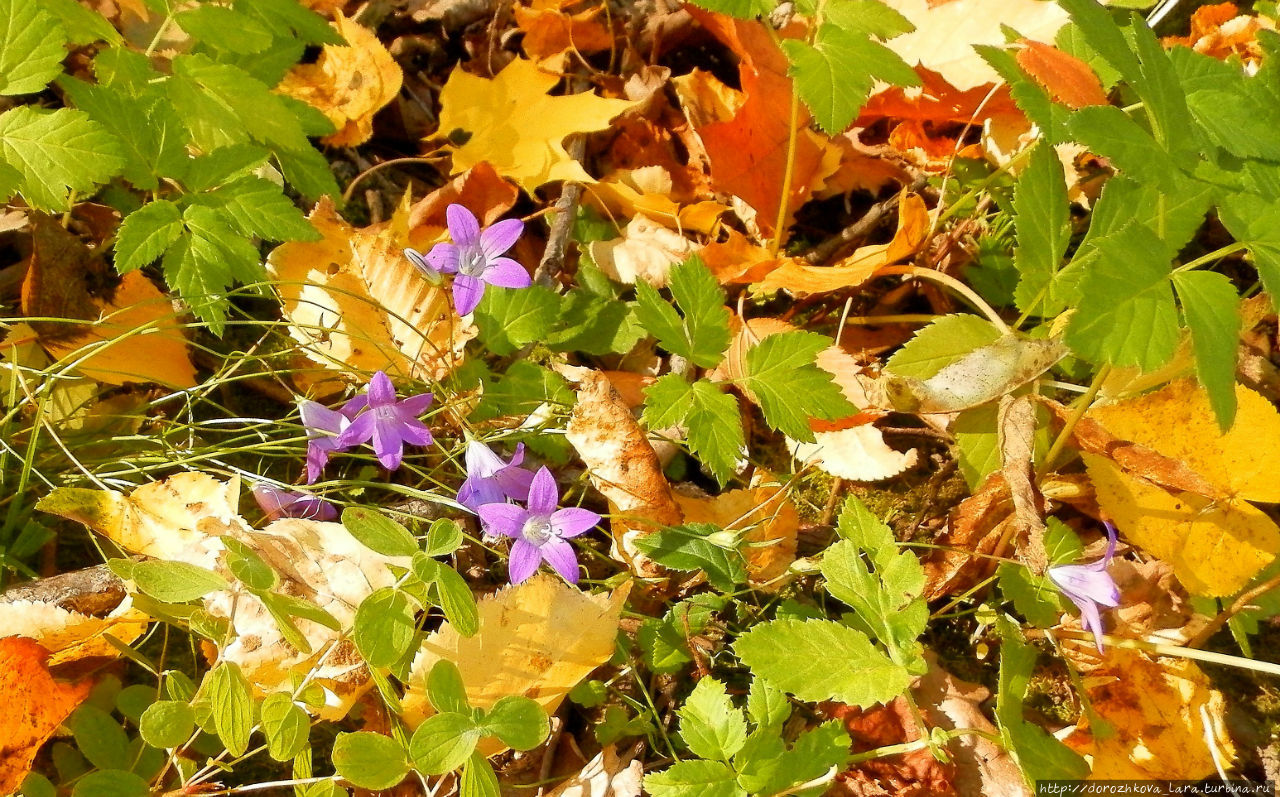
(1089, 586)
(324, 428)
(474, 257)
(540, 530)
(388, 422)
(492, 481)
(277, 503)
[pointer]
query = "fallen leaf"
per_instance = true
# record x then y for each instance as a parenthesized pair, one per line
(915, 773)
(1178, 422)
(767, 510)
(1016, 430)
(551, 33)
(537, 639)
(35, 705)
(646, 251)
(347, 83)
(1214, 547)
(1068, 80)
(648, 191)
(70, 635)
(479, 189)
(1161, 712)
(67, 402)
(356, 303)
(606, 775)
(983, 374)
(858, 453)
(973, 527)
(515, 126)
(798, 278)
(737, 261)
(1220, 31)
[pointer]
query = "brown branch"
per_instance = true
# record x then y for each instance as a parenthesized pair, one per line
(827, 250)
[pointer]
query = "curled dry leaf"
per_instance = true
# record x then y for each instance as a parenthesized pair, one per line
(858, 453)
(1016, 427)
(606, 775)
(1164, 715)
(347, 83)
(35, 705)
(479, 189)
(537, 639)
(186, 517)
(975, 526)
(356, 303)
(915, 773)
(767, 510)
(646, 251)
(551, 33)
(1221, 31)
(71, 635)
(984, 374)
(737, 261)
(647, 191)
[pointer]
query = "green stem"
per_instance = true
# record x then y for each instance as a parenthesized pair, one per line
(1082, 406)
(1216, 254)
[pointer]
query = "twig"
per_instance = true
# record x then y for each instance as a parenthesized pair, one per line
(1238, 605)
(565, 209)
(826, 250)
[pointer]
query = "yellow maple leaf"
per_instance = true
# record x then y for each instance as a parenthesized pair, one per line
(348, 84)
(515, 126)
(1214, 547)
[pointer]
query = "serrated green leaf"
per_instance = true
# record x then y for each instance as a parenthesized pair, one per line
(1211, 307)
(1236, 112)
(369, 760)
(702, 334)
(767, 705)
(822, 660)
(941, 343)
(1255, 222)
(836, 73)
(31, 47)
(231, 706)
(1043, 224)
(710, 416)
(258, 207)
(511, 318)
(307, 170)
(146, 233)
(740, 9)
(1030, 96)
(594, 324)
(384, 628)
(1110, 132)
(224, 28)
(868, 17)
(219, 101)
(518, 722)
(57, 152)
(443, 742)
(202, 265)
(285, 725)
(790, 388)
(694, 779)
(149, 133)
(520, 391)
(1126, 316)
(687, 548)
(83, 25)
(710, 724)
(290, 18)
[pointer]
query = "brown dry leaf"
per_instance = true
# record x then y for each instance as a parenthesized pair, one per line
(1220, 31)
(622, 465)
(1178, 422)
(517, 127)
(537, 639)
(767, 510)
(646, 251)
(1016, 431)
(35, 705)
(946, 32)
(972, 527)
(799, 278)
(551, 33)
(737, 261)
(1068, 80)
(348, 83)
(1214, 547)
(912, 774)
(356, 303)
(1162, 711)
(647, 191)
(480, 189)
(185, 519)
(606, 775)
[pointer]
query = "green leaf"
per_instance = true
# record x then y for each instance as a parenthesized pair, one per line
(1112, 133)
(258, 207)
(146, 233)
(223, 166)
(978, 443)
(285, 725)
(82, 24)
(836, 73)
(384, 627)
(1255, 222)
(1126, 316)
(458, 601)
(819, 660)
(593, 324)
(290, 18)
(868, 17)
(111, 783)
(202, 265)
(710, 724)
(688, 548)
(741, 9)
(702, 334)
(167, 723)
(478, 778)
(100, 738)
(519, 722)
(509, 319)
(884, 589)
(445, 690)
(215, 99)
(663, 641)
(149, 133)
(1043, 224)
(369, 760)
(694, 779)
(790, 388)
(378, 533)
(57, 152)
(710, 416)
(175, 582)
(443, 742)
(308, 172)
(231, 704)
(443, 538)
(31, 47)
(1211, 307)
(246, 565)
(941, 343)
(767, 705)
(1033, 596)
(224, 29)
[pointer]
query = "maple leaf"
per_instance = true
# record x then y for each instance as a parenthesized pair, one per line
(35, 705)
(517, 127)
(348, 84)
(551, 33)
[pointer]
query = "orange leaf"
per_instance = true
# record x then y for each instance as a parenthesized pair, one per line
(348, 84)
(550, 33)
(479, 189)
(35, 705)
(738, 261)
(766, 509)
(1070, 80)
(799, 278)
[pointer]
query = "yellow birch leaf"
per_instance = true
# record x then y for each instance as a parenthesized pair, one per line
(348, 84)
(516, 127)
(1178, 422)
(1214, 547)
(537, 639)
(69, 635)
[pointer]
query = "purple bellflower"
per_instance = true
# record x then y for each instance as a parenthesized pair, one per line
(388, 422)
(277, 503)
(324, 428)
(539, 530)
(1090, 586)
(474, 257)
(492, 481)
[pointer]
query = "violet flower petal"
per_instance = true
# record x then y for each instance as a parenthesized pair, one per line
(514, 482)
(525, 558)
(444, 258)
(572, 521)
(507, 273)
(467, 292)
(543, 494)
(559, 554)
(464, 227)
(388, 445)
(380, 391)
(499, 237)
(277, 503)
(413, 406)
(503, 519)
